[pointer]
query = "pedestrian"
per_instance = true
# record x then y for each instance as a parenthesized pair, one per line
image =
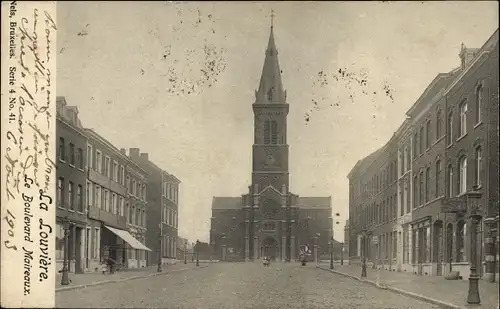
(103, 267)
(111, 264)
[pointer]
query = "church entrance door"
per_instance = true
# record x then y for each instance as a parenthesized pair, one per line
(270, 248)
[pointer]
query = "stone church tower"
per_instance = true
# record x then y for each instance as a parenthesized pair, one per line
(266, 221)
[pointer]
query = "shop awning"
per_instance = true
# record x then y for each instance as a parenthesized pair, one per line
(134, 243)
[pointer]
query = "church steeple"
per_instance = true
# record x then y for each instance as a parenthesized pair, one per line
(271, 87)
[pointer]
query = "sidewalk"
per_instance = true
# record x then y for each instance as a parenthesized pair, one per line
(435, 289)
(97, 278)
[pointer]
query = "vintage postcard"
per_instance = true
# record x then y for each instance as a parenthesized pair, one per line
(250, 155)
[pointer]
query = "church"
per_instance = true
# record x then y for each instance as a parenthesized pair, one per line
(269, 220)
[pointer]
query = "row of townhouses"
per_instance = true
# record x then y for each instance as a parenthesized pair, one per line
(410, 202)
(111, 203)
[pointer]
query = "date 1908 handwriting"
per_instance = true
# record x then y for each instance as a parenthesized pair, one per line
(29, 167)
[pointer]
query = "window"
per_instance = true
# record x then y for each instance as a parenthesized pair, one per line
(90, 155)
(438, 125)
(62, 150)
(89, 193)
(115, 171)
(107, 167)
(463, 119)
(421, 144)
(98, 200)
(415, 192)
(134, 187)
(60, 192)
(267, 132)
(479, 103)
(106, 200)
(122, 175)
(70, 196)
(274, 132)
(450, 180)
(479, 162)
(428, 134)
(80, 158)
(438, 178)
(79, 198)
(415, 145)
(407, 159)
(98, 161)
(59, 241)
(427, 183)
(120, 206)
(113, 203)
(72, 154)
(128, 184)
(97, 243)
(462, 185)
(421, 189)
(450, 129)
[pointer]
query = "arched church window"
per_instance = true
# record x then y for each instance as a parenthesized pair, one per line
(274, 132)
(267, 132)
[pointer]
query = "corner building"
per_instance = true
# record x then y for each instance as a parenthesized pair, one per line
(270, 220)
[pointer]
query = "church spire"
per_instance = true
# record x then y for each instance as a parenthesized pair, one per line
(271, 87)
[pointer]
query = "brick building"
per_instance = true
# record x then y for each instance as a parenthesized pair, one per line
(441, 149)
(162, 215)
(269, 220)
(375, 206)
(70, 198)
(109, 198)
(136, 210)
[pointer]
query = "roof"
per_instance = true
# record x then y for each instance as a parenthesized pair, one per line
(271, 86)
(226, 202)
(362, 164)
(314, 202)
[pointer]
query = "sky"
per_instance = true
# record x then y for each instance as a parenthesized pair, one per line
(177, 80)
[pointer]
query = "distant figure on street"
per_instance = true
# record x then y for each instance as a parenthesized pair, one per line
(110, 264)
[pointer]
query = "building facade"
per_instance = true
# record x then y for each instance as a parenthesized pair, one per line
(108, 192)
(446, 149)
(136, 211)
(162, 215)
(270, 220)
(70, 197)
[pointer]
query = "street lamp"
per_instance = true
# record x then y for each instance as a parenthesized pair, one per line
(65, 271)
(363, 263)
(331, 253)
(185, 251)
(197, 253)
(473, 208)
(341, 253)
(159, 249)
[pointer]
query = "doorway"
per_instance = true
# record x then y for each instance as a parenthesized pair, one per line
(87, 249)
(438, 247)
(78, 250)
(269, 248)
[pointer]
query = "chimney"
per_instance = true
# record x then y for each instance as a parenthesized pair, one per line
(123, 151)
(134, 153)
(466, 55)
(145, 156)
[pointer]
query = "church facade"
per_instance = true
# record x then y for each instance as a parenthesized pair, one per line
(270, 220)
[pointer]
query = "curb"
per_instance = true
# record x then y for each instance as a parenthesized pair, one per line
(84, 286)
(396, 290)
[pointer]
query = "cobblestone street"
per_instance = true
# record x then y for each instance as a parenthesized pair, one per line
(242, 286)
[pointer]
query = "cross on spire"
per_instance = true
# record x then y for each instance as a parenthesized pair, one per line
(272, 18)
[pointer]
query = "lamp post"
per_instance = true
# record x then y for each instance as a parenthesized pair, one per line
(316, 248)
(197, 253)
(363, 263)
(331, 253)
(159, 249)
(473, 208)
(65, 270)
(341, 253)
(185, 251)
